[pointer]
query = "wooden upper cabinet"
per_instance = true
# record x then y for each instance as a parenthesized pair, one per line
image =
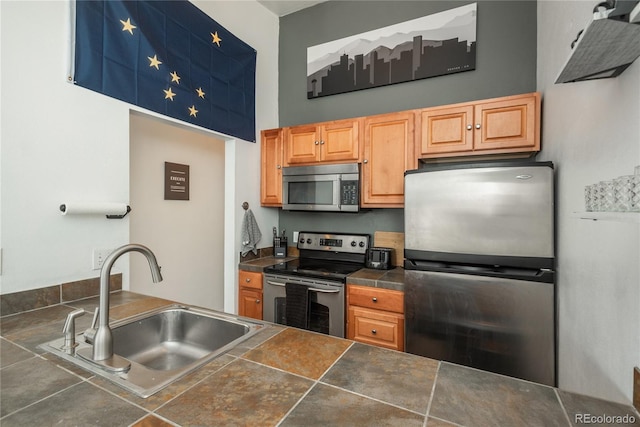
(497, 126)
(271, 167)
(336, 141)
(388, 153)
(301, 144)
(509, 123)
(447, 130)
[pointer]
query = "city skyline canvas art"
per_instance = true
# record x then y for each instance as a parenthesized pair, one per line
(433, 45)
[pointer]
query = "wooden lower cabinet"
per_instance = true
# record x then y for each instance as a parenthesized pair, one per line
(250, 294)
(375, 316)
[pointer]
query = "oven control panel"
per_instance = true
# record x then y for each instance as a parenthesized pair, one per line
(333, 242)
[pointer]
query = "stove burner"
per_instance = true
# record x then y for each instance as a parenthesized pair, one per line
(315, 268)
(318, 259)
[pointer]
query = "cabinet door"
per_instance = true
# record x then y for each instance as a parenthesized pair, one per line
(250, 303)
(339, 141)
(302, 144)
(508, 123)
(376, 327)
(271, 167)
(446, 130)
(388, 153)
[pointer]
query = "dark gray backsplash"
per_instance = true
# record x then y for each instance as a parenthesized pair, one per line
(505, 65)
(366, 221)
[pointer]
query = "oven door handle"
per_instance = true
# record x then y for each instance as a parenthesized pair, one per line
(275, 283)
(324, 291)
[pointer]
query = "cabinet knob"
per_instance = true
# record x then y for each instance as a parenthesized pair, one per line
(257, 301)
(374, 299)
(317, 142)
(279, 167)
(247, 280)
(373, 331)
(469, 127)
(365, 161)
(321, 142)
(477, 125)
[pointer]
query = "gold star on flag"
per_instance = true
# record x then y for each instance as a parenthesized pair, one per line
(216, 38)
(193, 111)
(128, 26)
(154, 62)
(200, 92)
(175, 77)
(168, 94)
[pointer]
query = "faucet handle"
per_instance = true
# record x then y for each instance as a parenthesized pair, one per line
(90, 333)
(69, 331)
(94, 322)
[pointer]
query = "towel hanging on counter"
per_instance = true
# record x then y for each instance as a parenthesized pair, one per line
(297, 305)
(251, 234)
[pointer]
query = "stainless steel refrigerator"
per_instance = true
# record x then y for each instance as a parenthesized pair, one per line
(479, 266)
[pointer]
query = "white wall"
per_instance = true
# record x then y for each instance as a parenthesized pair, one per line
(61, 142)
(591, 131)
(186, 236)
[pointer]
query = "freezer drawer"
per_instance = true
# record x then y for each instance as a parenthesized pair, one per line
(498, 325)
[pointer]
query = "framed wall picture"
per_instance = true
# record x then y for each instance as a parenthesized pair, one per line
(430, 46)
(176, 181)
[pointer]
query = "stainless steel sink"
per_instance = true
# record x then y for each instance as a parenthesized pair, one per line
(163, 345)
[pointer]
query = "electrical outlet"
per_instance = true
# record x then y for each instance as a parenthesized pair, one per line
(99, 255)
(295, 237)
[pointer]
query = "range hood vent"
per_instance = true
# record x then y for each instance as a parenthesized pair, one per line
(607, 46)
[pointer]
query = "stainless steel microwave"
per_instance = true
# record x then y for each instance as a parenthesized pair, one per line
(329, 188)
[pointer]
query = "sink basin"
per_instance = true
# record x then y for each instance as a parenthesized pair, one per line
(163, 345)
(175, 338)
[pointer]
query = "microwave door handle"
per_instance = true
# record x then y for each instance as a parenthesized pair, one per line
(339, 192)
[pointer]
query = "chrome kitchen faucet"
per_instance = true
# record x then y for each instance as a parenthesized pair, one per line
(102, 336)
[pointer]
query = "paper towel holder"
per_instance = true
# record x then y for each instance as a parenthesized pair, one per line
(119, 216)
(63, 209)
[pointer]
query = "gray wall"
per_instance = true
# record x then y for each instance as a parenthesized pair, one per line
(505, 65)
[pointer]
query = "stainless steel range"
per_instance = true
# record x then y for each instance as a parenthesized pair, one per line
(309, 292)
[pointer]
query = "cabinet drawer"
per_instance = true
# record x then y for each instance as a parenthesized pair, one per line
(376, 298)
(376, 328)
(250, 279)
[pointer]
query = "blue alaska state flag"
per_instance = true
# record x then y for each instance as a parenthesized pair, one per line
(168, 57)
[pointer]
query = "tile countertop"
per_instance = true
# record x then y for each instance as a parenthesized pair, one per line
(281, 376)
